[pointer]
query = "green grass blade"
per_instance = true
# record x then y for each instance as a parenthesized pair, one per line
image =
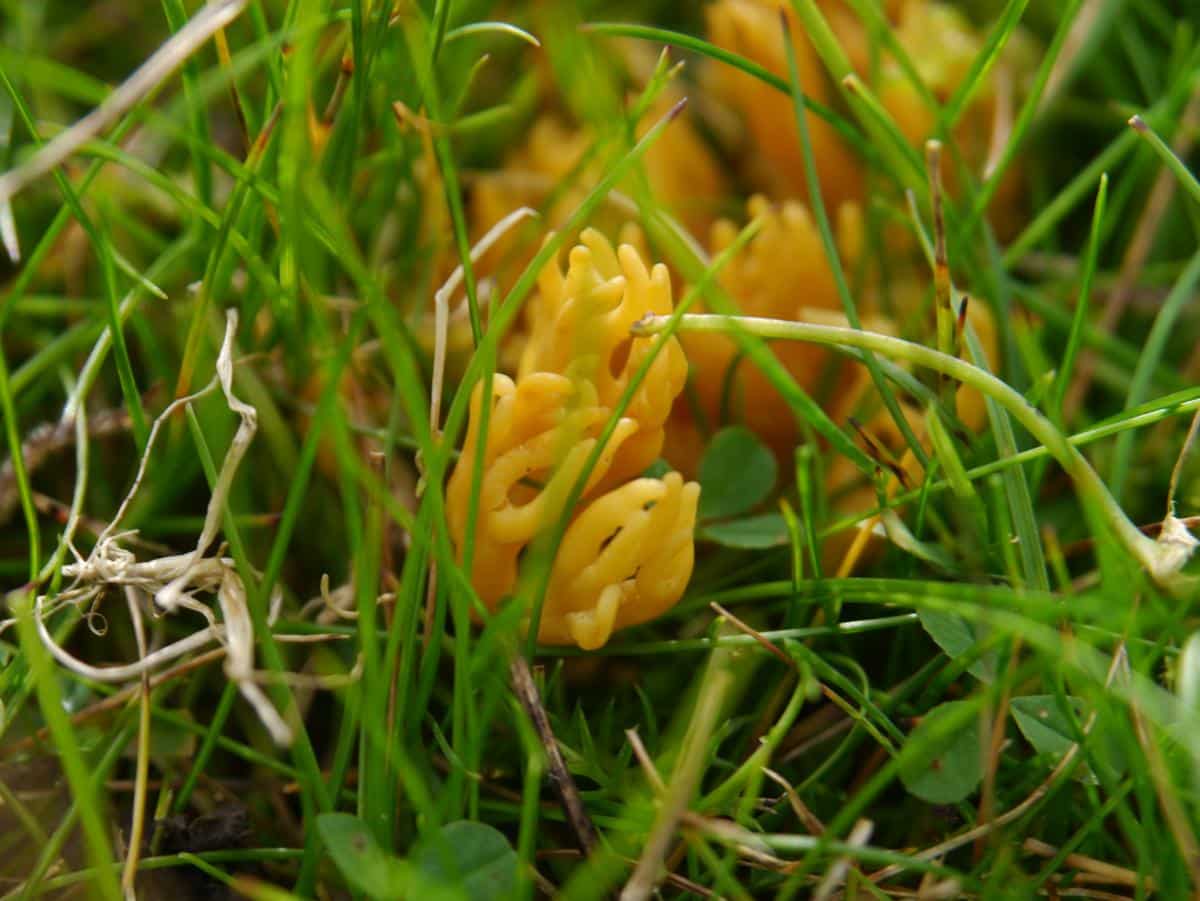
(1173, 162)
(46, 680)
(997, 38)
(1029, 109)
(1075, 336)
(16, 454)
(105, 254)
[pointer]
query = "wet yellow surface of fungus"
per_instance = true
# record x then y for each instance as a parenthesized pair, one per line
(627, 553)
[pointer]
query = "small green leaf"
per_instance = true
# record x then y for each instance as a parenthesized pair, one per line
(942, 762)
(1043, 724)
(753, 532)
(473, 858)
(737, 472)
(363, 864)
(1047, 729)
(956, 636)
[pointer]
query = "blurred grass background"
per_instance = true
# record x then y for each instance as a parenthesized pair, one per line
(1011, 708)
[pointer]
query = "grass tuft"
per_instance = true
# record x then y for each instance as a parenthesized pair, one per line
(926, 646)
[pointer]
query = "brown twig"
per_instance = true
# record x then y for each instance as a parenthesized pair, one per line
(1150, 529)
(877, 451)
(821, 726)
(226, 61)
(1173, 485)
(345, 73)
(564, 784)
(60, 513)
(1106, 872)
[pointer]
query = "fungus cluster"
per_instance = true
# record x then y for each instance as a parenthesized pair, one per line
(627, 552)
(573, 358)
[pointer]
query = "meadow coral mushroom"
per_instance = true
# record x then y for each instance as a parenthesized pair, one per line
(579, 325)
(539, 437)
(627, 553)
(624, 560)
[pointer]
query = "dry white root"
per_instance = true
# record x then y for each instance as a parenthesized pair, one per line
(178, 581)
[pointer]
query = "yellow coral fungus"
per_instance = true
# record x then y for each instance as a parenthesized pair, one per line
(529, 463)
(579, 323)
(625, 559)
(627, 553)
(783, 273)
